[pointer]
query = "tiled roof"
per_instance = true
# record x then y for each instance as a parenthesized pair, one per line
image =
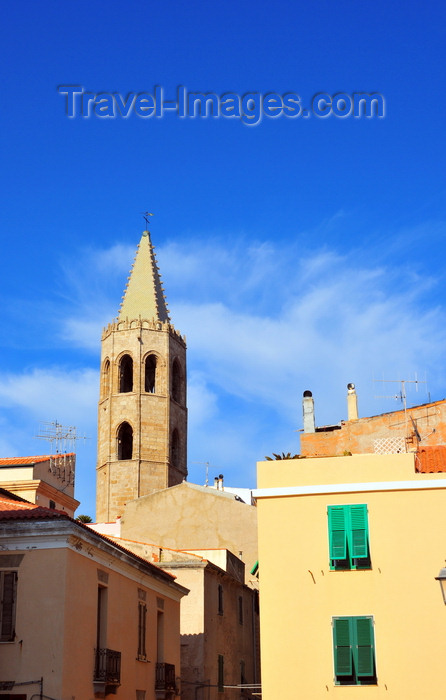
(15, 461)
(431, 459)
(11, 509)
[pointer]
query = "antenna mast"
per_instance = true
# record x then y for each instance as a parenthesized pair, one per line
(402, 396)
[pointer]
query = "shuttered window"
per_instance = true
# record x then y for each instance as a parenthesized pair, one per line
(354, 651)
(348, 534)
(8, 589)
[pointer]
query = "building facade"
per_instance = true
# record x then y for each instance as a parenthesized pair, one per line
(81, 617)
(349, 549)
(46, 480)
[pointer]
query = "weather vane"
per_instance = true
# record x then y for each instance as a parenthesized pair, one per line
(146, 215)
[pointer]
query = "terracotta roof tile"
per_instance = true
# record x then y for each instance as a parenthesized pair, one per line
(431, 459)
(10, 509)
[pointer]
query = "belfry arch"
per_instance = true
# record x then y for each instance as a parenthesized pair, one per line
(125, 375)
(124, 441)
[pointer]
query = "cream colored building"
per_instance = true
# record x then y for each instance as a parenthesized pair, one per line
(349, 549)
(219, 620)
(81, 617)
(47, 480)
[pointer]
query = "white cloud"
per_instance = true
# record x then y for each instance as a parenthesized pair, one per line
(263, 322)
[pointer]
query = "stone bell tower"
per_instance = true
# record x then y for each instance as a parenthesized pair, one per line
(142, 418)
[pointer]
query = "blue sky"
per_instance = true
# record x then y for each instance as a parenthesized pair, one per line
(296, 254)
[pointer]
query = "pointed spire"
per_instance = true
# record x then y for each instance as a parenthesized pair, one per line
(144, 296)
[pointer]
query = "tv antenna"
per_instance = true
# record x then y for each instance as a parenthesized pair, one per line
(61, 438)
(207, 464)
(402, 394)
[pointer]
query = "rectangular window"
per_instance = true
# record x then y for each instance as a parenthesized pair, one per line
(221, 673)
(240, 609)
(220, 599)
(242, 673)
(8, 592)
(348, 534)
(142, 614)
(354, 651)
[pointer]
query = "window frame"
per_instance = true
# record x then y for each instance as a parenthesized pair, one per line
(354, 658)
(142, 630)
(348, 537)
(8, 634)
(221, 673)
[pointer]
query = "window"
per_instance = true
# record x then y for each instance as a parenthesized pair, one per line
(240, 609)
(175, 448)
(354, 651)
(150, 374)
(105, 379)
(176, 382)
(142, 614)
(125, 374)
(242, 673)
(8, 592)
(348, 537)
(221, 673)
(125, 441)
(220, 599)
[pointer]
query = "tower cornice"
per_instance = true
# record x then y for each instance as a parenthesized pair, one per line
(127, 324)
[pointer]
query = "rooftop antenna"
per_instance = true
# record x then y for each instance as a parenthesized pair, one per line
(146, 215)
(63, 441)
(59, 436)
(206, 483)
(402, 395)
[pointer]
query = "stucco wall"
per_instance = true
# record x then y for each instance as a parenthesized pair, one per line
(300, 594)
(184, 517)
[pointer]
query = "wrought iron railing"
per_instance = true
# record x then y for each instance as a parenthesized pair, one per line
(107, 666)
(165, 677)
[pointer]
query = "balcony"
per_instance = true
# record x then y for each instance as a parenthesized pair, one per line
(107, 668)
(165, 677)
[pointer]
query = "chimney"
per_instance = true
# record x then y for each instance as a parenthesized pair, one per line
(215, 482)
(352, 402)
(220, 481)
(308, 411)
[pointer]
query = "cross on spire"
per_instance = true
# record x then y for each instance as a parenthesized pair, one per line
(146, 215)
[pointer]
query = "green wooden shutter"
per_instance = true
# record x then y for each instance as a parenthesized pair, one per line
(359, 531)
(364, 647)
(337, 532)
(342, 646)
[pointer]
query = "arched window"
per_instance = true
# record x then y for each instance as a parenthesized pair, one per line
(175, 448)
(125, 374)
(105, 379)
(125, 441)
(150, 374)
(176, 381)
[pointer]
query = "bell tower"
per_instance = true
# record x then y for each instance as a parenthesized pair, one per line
(142, 416)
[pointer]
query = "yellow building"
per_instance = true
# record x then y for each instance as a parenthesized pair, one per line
(80, 616)
(349, 549)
